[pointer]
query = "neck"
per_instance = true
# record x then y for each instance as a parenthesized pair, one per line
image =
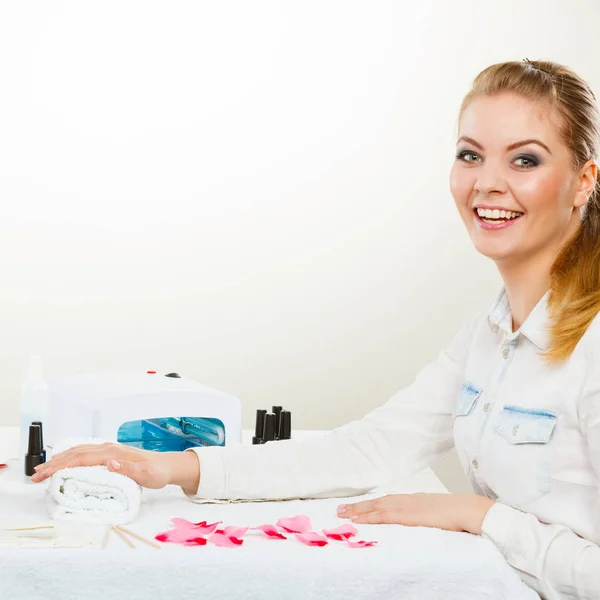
(525, 283)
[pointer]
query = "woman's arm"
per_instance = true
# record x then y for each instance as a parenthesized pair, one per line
(552, 559)
(403, 436)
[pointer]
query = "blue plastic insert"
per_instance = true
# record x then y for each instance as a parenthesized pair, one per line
(171, 434)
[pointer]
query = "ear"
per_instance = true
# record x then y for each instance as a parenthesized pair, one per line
(587, 183)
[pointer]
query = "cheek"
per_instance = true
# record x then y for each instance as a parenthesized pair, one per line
(461, 185)
(542, 192)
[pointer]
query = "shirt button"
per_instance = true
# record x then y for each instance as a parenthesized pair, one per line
(505, 352)
(475, 463)
(486, 407)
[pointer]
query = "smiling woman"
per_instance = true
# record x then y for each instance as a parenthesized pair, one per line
(517, 392)
(535, 159)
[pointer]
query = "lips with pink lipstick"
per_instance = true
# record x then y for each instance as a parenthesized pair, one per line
(496, 217)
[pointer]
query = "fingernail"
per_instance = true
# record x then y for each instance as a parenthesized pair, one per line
(115, 465)
(342, 509)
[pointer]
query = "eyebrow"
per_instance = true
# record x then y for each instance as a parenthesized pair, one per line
(511, 147)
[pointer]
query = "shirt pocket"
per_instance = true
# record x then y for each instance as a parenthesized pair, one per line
(521, 454)
(466, 399)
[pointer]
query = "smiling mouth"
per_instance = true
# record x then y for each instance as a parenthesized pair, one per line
(496, 217)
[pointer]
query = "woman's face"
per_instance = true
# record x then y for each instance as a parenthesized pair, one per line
(512, 180)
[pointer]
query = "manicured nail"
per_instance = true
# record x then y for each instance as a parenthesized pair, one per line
(115, 465)
(342, 509)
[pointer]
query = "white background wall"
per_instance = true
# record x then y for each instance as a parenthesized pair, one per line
(253, 194)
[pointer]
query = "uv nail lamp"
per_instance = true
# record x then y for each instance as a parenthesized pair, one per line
(149, 411)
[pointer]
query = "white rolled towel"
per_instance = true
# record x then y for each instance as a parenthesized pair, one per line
(92, 494)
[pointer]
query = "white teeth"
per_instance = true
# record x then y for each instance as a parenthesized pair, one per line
(486, 213)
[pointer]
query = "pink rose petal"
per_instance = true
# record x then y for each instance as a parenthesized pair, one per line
(341, 533)
(271, 531)
(311, 539)
(200, 528)
(359, 544)
(236, 532)
(184, 531)
(225, 541)
(199, 541)
(299, 524)
(178, 535)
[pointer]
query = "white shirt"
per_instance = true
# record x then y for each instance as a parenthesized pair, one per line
(527, 434)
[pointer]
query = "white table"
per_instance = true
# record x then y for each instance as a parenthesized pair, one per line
(408, 563)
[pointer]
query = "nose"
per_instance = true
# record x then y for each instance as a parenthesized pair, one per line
(489, 181)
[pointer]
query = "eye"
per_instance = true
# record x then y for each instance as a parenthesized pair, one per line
(528, 161)
(468, 156)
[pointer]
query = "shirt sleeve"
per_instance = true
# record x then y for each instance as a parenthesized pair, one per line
(399, 438)
(553, 560)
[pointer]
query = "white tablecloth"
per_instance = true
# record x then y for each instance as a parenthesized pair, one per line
(408, 563)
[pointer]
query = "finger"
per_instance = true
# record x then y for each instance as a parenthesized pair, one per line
(79, 456)
(366, 506)
(348, 510)
(88, 455)
(380, 516)
(67, 455)
(80, 448)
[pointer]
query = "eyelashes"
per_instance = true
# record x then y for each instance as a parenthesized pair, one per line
(527, 161)
(531, 160)
(464, 153)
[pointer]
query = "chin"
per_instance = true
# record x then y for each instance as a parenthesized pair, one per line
(495, 252)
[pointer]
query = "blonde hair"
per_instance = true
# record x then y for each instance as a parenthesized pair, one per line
(574, 298)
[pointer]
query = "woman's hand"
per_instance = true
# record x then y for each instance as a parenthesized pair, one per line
(454, 512)
(149, 469)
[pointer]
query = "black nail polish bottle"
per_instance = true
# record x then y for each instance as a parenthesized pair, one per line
(259, 428)
(35, 453)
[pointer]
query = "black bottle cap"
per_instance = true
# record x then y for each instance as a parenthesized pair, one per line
(259, 429)
(35, 455)
(285, 427)
(269, 433)
(41, 438)
(41, 432)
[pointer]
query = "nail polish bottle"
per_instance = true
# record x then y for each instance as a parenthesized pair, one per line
(259, 428)
(269, 434)
(35, 452)
(285, 425)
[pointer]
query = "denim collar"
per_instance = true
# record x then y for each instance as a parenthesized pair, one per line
(535, 327)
